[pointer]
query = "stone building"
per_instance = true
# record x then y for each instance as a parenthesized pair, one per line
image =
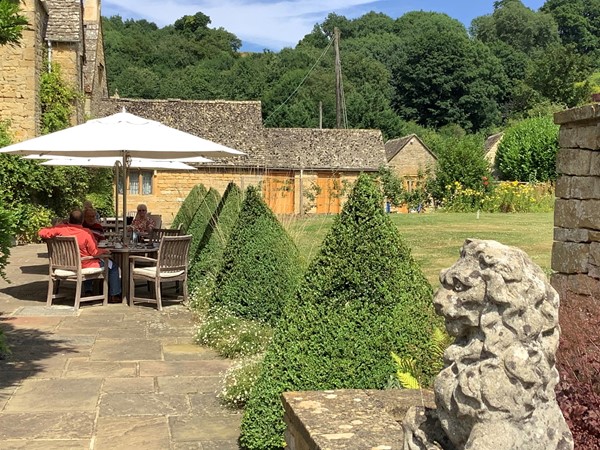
(299, 170)
(491, 148)
(67, 32)
(409, 158)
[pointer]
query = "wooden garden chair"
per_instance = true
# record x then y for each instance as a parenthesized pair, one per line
(170, 264)
(157, 234)
(65, 265)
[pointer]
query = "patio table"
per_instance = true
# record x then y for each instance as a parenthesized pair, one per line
(121, 257)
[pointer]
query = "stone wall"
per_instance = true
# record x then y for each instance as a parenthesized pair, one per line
(20, 70)
(412, 159)
(349, 419)
(576, 249)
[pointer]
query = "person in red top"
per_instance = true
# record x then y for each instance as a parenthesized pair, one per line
(87, 247)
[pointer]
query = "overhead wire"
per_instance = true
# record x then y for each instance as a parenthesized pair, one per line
(301, 82)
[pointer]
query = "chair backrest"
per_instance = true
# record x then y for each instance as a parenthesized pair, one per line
(157, 233)
(63, 252)
(173, 253)
(157, 220)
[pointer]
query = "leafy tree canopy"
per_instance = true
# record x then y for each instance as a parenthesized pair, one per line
(12, 22)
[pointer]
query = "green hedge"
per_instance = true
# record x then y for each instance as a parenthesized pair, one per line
(188, 208)
(208, 256)
(261, 265)
(7, 222)
(362, 297)
(201, 220)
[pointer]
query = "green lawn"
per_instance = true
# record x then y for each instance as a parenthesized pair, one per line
(436, 238)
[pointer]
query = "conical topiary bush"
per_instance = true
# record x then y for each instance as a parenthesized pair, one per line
(261, 266)
(362, 297)
(201, 221)
(188, 208)
(207, 261)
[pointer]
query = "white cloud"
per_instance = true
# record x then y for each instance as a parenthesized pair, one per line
(272, 24)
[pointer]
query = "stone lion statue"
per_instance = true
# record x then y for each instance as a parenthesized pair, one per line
(496, 391)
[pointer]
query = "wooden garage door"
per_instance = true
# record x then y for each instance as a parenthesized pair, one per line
(328, 197)
(278, 191)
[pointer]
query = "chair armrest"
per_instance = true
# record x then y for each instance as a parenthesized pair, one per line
(134, 259)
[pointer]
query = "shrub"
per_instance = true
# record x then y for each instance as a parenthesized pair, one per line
(209, 256)
(512, 196)
(460, 160)
(6, 234)
(527, 152)
(188, 208)
(239, 381)
(28, 221)
(362, 297)
(261, 265)
(201, 221)
(232, 336)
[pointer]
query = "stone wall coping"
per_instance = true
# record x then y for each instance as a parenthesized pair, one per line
(179, 100)
(349, 419)
(580, 114)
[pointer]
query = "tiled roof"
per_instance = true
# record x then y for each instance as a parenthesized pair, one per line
(491, 141)
(392, 147)
(64, 21)
(337, 149)
(239, 125)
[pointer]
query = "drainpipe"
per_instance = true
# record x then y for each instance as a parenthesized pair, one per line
(301, 192)
(49, 56)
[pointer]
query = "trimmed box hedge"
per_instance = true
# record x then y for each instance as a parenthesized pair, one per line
(362, 297)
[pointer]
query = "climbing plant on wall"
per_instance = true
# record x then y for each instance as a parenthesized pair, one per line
(57, 99)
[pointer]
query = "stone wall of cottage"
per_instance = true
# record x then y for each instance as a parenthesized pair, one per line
(576, 249)
(20, 70)
(67, 56)
(286, 192)
(412, 159)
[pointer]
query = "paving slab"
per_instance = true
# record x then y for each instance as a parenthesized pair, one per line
(46, 425)
(189, 385)
(139, 385)
(42, 444)
(135, 432)
(125, 404)
(202, 428)
(100, 369)
(55, 395)
(126, 350)
(190, 368)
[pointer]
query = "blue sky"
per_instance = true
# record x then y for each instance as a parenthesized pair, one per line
(274, 24)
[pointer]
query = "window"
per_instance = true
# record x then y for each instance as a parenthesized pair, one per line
(140, 182)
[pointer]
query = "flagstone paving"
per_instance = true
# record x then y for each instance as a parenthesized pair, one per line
(106, 377)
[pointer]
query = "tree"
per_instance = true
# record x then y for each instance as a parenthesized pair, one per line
(559, 74)
(527, 152)
(517, 26)
(440, 76)
(578, 23)
(12, 22)
(362, 297)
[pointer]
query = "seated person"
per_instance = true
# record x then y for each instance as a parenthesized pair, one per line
(142, 223)
(88, 205)
(90, 222)
(87, 247)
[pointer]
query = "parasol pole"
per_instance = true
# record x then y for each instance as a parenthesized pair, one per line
(117, 167)
(126, 162)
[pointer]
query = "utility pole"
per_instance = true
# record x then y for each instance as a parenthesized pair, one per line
(320, 115)
(338, 78)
